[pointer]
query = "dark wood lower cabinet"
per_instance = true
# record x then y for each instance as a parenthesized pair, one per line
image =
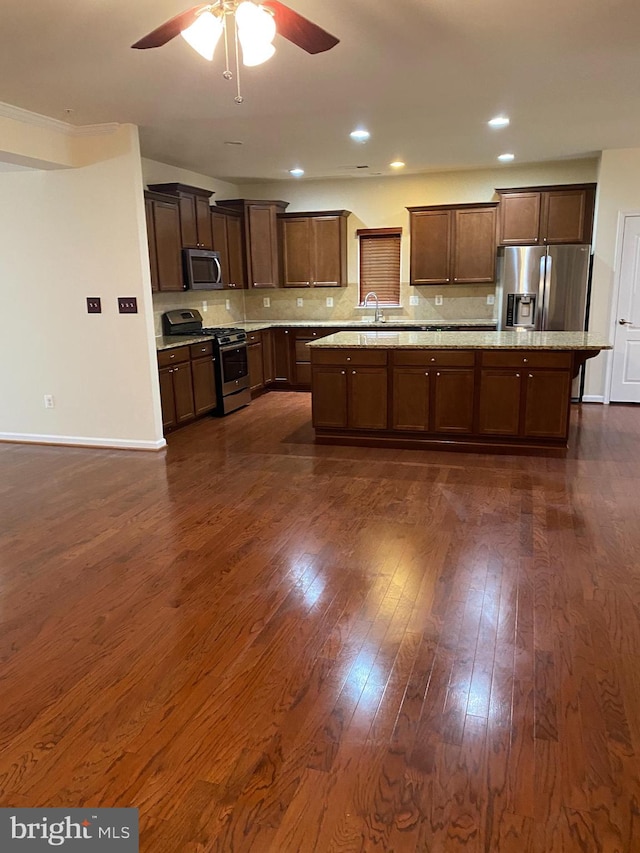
(204, 384)
(183, 392)
(256, 366)
(268, 361)
(187, 383)
(492, 399)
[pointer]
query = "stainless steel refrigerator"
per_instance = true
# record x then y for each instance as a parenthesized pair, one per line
(544, 288)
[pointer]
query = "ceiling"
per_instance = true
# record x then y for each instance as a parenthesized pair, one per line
(423, 76)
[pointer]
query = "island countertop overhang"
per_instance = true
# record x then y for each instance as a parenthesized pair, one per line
(381, 340)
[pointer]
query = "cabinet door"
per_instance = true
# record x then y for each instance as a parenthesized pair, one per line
(328, 261)
(547, 399)
(151, 243)
(475, 250)
(411, 386)
(203, 223)
(183, 391)
(188, 222)
(282, 356)
(564, 214)
(520, 219)
(329, 397)
(263, 246)
(268, 357)
(430, 246)
(167, 399)
(166, 218)
(204, 384)
(302, 361)
(296, 237)
(453, 401)
(256, 367)
(499, 402)
(219, 240)
(235, 251)
(367, 398)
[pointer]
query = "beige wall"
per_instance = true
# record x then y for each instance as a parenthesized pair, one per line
(382, 202)
(66, 235)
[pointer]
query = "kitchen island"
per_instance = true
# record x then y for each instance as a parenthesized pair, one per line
(500, 391)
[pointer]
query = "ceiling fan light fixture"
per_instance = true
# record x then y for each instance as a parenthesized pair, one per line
(203, 34)
(256, 31)
(297, 173)
(506, 158)
(360, 135)
(397, 164)
(498, 121)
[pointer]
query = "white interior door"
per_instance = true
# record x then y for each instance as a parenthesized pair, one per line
(625, 378)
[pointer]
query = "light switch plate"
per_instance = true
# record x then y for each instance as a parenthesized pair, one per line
(491, 299)
(266, 302)
(329, 301)
(439, 300)
(127, 305)
(413, 300)
(94, 305)
(205, 305)
(299, 301)
(227, 304)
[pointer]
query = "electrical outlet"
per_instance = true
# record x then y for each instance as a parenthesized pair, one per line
(491, 299)
(266, 302)
(413, 300)
(329, 301)
(299, 301)
(48, 401)
(205, 305)
(439, 300)
(94, 305)
(127, 305)
(227, 304)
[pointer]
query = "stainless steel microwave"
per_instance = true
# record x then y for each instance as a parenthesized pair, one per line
(202, 269)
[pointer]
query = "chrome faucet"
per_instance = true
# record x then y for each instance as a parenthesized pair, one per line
(379, 316)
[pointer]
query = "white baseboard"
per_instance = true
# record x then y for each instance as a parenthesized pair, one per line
(593, 398)
(81, 441)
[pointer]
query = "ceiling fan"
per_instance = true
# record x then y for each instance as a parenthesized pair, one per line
(254, 27)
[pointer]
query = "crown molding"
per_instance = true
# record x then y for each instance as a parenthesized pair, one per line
(38, 120)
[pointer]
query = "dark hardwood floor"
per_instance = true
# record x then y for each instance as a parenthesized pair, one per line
(267, 645)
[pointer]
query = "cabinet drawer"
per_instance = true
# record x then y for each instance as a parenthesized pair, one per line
(435, 358)
(349, 356)
(528, 358)
(312, 334)
(254, 337)
(168, 357)
(201, 350)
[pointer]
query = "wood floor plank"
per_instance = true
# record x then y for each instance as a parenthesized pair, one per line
(271, 646)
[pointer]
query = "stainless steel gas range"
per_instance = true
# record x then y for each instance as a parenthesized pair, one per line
(230, 351)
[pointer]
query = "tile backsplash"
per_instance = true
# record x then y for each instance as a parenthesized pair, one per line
(458, 303)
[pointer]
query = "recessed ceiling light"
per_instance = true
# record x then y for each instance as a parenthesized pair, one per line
(397, 164)
(360, 135)
(499, 121)
(297, 173)
(506, 158)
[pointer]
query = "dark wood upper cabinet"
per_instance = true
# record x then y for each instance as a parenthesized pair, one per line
(195, 222)
(260, 239)
(550, 215)
(226, 230)
(314, 248)
(453, 244)
(163, 236)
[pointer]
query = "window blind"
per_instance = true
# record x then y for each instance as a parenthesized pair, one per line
(380, 264)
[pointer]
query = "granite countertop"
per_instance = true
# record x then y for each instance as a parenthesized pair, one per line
(463, 340)
(164, 342)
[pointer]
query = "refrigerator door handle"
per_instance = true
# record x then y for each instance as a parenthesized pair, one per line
(540, 311)
(547, 293)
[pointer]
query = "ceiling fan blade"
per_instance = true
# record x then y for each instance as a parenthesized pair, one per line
(299, 30)
(170, 29)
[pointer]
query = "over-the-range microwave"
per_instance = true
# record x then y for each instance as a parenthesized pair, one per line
(202, 269)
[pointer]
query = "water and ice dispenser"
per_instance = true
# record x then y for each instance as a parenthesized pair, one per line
(521, 311)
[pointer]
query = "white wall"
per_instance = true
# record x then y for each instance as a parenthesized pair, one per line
(66, 235)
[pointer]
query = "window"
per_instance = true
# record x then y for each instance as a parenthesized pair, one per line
(380, 264)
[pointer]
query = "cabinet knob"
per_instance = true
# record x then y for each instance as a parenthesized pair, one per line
(286, 331)
(438, 373)
(531, 376)
(353, 373)
(426, 373)
(348, 358)
(343, 372)
(173, 355)
(517, 376)
(204, 349)
(525, 360)
(433, 359)
(314, 334)
(455, 279)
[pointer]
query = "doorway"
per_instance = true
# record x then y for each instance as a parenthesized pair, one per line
(625, 374)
